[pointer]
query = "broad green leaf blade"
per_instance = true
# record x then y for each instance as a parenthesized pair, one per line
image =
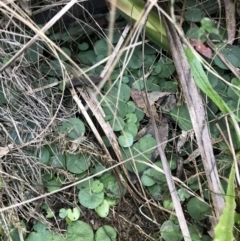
(203, 83)
(224, 228)
(106, 233)
(155, 29)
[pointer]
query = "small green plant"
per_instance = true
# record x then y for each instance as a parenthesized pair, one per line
(76, 231)
(198, 209)
(106, 233)
(70, 215)
(73, 127)
(100, 194)
(170, 231)
(224, 229)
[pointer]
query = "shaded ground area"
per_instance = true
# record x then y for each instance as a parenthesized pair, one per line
(126, 218)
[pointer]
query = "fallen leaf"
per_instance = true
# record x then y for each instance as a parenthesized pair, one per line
(169, 103)
(163, 131)
(156, 95)
(181, 141)
(139, 97)
(201, 48)
(4, 150)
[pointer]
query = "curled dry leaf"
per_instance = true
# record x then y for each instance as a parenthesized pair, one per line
(139, 97)
(201, 48)
(5, 150)
(163, 130)
(181, 141)
(170, 103)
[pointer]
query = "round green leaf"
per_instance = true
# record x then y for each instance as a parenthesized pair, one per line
(173, 163)
(182, 116)
(108, 113)
(47, 176)
(53, 149)
(183, 194)
(77, 163)
(66, 51)
(98, 167)
(170, 86)
(213, 79)
(125, 91)
(231, 53)
(53, 185)
(120, 92)
(146, 178)
(149, 61)
(44, 155)
(89, 199)
(134, 165)
(198, 209)
(234, 105)
(138, 85)
(73, 214)
(34, 52)
(196, 233)
(62, 213)
(156, 192)
(151, 87)
(125, 79)
(135, 62)
(168, 68)
(97, 186)
(83, 46)
(168, 204)
(103, 209)
(150, 49)
(87, 57)
(73, 127)
(114, 107)
(111, 202)
(117, 123)
(208, 25)
(125, 140)
(111, 186)
(158, 177)
(85, 184)
(55, 64)
(131, 118)
(131, 106)
(196, 33)
(157, 68)
(106, 233)
(48, 210)
(131, 128)
(232, 92)
(100, 58)
(170, 231)
(193, 183)
(58, 160)
(80, 231)
(147, 144)
(40, 231)
(140, 114)
(101, 47)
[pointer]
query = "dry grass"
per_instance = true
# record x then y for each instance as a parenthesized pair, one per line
(35, 108)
